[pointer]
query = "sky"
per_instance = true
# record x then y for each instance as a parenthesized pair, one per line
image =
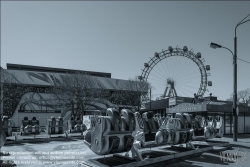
(119, 37)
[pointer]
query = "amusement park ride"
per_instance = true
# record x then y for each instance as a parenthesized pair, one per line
(177, 69)
(31, 129)
(130, 132)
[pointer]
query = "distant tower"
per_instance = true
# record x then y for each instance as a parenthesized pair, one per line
(170, 89)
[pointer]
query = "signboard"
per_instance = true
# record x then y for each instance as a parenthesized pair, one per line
(237, 111)
(188, 108)
(39, 111)
(179, 100)
(228, 108)
(94, 112)
(172, 101)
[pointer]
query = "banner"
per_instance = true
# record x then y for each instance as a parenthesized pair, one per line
(39, 111)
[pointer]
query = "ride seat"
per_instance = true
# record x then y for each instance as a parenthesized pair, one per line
(34, 121)
(101, 141)
(115, 119)
(72, 122)
(182, 119)
(60, 121)
(128, 117)
(25, 122)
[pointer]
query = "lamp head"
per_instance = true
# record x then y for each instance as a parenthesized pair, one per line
(214, 45)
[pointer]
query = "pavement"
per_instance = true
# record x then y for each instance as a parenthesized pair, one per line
(215, 158)
(68, 153)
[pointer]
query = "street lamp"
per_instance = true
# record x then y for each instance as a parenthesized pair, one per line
(214, 46)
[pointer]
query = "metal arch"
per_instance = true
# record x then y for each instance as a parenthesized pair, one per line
(203, 72)
(179, 52)
(161, 57)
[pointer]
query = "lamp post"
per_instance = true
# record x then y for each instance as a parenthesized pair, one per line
(235, 120)
(235, 115)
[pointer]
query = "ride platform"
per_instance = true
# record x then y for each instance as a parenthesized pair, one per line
(155, 156)
(17, 138)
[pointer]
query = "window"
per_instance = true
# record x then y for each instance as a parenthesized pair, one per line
(228, 123)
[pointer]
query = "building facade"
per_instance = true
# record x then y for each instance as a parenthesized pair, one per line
(209, 106)
(28, 96)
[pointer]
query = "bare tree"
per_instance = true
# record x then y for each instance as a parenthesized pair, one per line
(10, 92)
(7, 80)
(134, 93)
(242, 96)
(77, 91)
(12, 89)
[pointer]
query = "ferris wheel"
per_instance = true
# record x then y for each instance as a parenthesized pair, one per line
(176, 72)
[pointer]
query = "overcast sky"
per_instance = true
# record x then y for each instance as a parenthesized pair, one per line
(119, 37)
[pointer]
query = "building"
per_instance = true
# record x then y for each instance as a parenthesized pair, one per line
(207, 106)
(34, 85)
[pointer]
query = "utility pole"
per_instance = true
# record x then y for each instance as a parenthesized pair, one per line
(235, 105)
(235, 116)
(235, 102)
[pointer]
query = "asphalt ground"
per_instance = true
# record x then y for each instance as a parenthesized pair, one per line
(241, 149)
(214, 158)
(68, 153)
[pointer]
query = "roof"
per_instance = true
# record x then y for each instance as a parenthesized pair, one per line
(36, 78)
(53, 70)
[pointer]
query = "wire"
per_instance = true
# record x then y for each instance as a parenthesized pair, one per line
(244, 60)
